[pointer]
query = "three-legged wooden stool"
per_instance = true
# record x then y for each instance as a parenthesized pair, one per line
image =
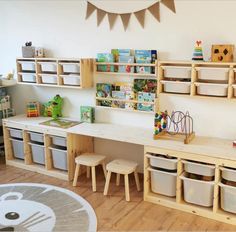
(124, 167)
(89, 160)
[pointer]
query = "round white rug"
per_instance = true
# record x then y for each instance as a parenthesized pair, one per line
(43, 208)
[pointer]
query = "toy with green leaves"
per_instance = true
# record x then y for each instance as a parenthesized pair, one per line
(53, 108)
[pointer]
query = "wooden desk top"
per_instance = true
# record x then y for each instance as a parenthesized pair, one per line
(213, 147)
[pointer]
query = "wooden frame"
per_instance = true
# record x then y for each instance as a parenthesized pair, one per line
(178, 202)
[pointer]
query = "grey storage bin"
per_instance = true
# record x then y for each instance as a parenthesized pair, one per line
(16, 133)
(36, 137)
(228, 198)
(199, 168)
(59, 141)
(198, 192)
(18, 148)
(38, 153)
(59, 157)
(161, 161)
(228, 174)
(163, 182)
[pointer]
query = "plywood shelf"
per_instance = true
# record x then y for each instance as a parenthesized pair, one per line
(50, 85)
(123, 100)
(125, 64)
(134, 75)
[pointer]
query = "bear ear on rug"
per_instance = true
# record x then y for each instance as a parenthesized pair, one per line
(38, 207)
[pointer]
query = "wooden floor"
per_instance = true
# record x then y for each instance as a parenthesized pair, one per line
(113, 212)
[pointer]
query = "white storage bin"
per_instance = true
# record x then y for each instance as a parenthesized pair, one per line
(71, 67)
(210, 89)
(28, 77)
(198, 168)
(38, 153)
(164, 162)
(59, 157)
(28, 66)
(198, 192)
(18, 148)
(36, 137)
(71, 79)
(163, 182)
(228, 198)
(228, 174)
(213, 74)
(176, 87)
(177, 72)
(59, 141)
(50, 67)
(16, 133)
(49, 79)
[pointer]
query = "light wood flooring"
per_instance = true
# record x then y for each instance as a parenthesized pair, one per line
(113, 212)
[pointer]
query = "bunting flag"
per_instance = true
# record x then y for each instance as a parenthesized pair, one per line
(154, 9)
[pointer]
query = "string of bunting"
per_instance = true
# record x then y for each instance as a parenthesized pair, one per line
(154, 9)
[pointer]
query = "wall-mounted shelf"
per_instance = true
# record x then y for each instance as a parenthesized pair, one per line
(55, 72)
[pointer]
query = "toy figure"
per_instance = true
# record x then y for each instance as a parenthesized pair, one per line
(53, 108)
(198, 54)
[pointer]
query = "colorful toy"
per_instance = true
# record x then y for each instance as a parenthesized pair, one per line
(222, 53)
(198, 54)
(87, 114)
(33, 109)
(53, 108)
(177, 123)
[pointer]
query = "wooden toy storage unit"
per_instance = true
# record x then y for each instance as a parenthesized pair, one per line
(213, 151)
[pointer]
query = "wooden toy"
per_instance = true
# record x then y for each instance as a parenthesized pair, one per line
(53, 108)
(177, 123)
(198, 54)
(33, 109)
(222, 53)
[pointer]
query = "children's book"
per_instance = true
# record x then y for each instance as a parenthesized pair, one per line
(129, 95)
(105, 103)
(118, 94)
(145, 85)
(104, 90)
(145, 107)
(108, 58)
(118, 104)
(126, 68)
(123, 86)
(87, 114)
(130, 106)
(146, 97)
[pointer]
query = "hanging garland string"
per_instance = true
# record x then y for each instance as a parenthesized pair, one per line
(154, 9)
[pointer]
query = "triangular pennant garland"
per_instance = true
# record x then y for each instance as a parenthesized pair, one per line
(125, 20)
(112, 19)
(100, 16)
(170, 4)
(155, 11)
(140, 15)
(90, 9)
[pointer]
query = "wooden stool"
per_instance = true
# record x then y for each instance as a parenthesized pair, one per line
(90, 160)
(124, 167)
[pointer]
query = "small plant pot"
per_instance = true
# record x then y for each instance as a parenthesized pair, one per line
(28, 51)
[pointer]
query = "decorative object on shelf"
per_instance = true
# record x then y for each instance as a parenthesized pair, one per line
(28, 51)
(33, 109)
(53, 108)
(39, 52)
(154, 9)
(177, 123)
(87, 114)
(108, 58)
(61, 123)
(222, 53)
(198, 54)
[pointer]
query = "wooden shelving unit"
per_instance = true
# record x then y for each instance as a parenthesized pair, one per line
(55, 72)
(130, 76)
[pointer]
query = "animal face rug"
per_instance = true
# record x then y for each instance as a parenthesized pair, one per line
(43, 208)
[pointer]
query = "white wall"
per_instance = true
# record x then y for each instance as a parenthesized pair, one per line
(61, 28)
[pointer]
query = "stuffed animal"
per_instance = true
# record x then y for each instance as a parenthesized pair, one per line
(53, 108)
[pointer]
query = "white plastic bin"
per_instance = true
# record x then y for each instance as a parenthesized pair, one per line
(163, 182)
(16, 133)
(213, 74)
(199, 168)
(177, 72)
(228, 198)
(71, 79)
(38, 153)
(36, 137)
(59, 157)
(18, 148)
(28, 66)
(228, 174)
(48, 67)
(59, 141)
(71, 67)
(28, 77)
(176, 87)
(49, 79)
(161, 161)
(210, 89)
(198, 192)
